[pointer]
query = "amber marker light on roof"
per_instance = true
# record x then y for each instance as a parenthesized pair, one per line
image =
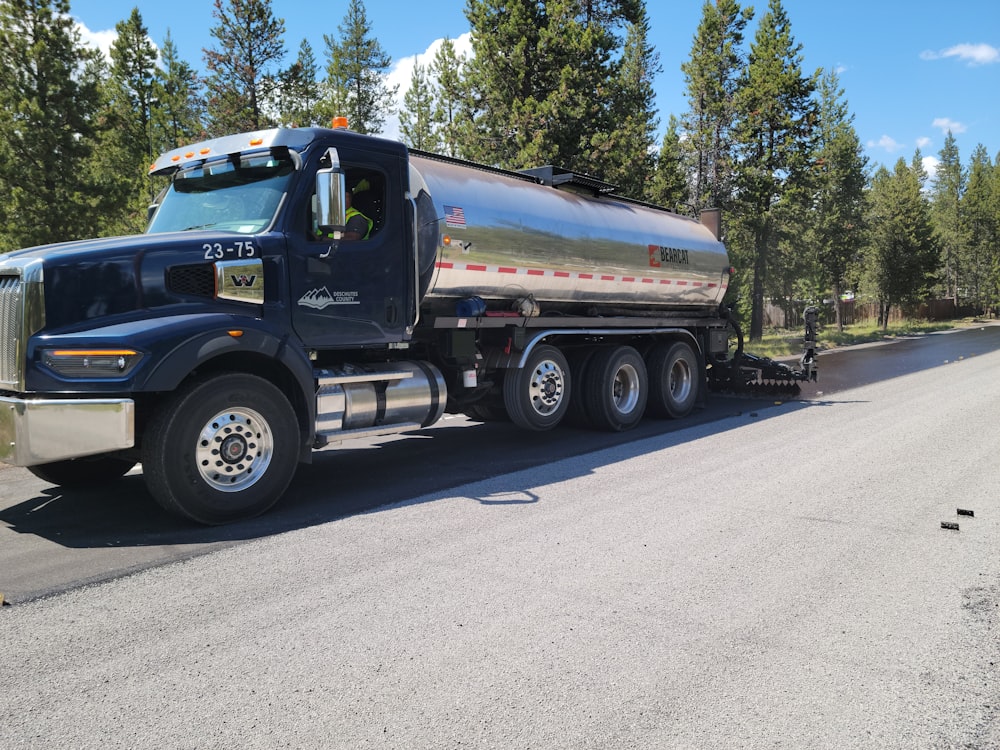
(339, 122)
(256, 141)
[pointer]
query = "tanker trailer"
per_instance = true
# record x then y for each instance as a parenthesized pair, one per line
(576, 303)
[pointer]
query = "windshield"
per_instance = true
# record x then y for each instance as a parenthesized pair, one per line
(241, 194)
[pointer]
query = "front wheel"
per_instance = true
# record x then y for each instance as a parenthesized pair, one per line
(223, 449)
(537, 396)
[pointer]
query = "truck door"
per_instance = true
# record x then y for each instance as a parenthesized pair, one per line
(350, 293)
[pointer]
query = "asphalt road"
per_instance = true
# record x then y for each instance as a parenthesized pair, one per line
(760, 576)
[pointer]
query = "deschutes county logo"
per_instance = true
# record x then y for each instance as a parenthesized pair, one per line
(319, 299)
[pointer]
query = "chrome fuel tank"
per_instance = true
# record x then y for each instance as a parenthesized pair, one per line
(502, 235)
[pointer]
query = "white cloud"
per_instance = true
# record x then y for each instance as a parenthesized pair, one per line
(923, 142)
(973, 54)
(402, 72)
(945, 124)
(887, 143)
(930, 166)
(101, 40)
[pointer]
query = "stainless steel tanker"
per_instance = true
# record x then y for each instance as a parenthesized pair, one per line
(251, 325)
(505, 235)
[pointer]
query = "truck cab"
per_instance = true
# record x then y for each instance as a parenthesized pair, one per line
(238, 326)
(340, 293)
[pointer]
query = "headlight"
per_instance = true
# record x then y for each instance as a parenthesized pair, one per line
(91, 363)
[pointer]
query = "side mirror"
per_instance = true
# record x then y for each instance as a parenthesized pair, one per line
(331, 212)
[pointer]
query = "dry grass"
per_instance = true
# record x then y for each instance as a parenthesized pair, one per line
(783, 343)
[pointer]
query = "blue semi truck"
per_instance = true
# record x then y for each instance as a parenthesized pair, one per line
(242, 331)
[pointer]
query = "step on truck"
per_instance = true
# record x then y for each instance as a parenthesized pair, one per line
(244, 330)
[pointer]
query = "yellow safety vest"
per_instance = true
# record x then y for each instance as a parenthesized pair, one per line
(351, 212)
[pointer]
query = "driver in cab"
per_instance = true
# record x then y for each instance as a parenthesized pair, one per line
(359, 226)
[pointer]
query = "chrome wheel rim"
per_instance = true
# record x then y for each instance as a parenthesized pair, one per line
(680, 380)
(546, 387)
(234, 449)
(625, 389)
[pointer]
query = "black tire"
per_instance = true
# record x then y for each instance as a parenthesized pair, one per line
(576, 413)
(486, 411)
(674, 380)
(184, 450)
(92, 471)
(537, 396)
(615, 388)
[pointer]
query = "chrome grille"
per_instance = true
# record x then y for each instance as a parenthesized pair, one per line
(11, 330)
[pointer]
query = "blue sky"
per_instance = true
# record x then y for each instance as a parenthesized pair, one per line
(910, 71)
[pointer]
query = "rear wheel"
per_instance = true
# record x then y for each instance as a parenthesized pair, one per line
(537, 396)
(83, 472)
(674, 379)
(615, 388)
(223, 449)
(576, 413)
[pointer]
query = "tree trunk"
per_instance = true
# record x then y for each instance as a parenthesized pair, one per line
(757, 290)
(837, 314)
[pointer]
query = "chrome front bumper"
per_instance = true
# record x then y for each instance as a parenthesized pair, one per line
(39, 431)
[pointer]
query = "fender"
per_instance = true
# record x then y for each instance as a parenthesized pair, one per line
(254, 339)
(173, 347)
(229, 335)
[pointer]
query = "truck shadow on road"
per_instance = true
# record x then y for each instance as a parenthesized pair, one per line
(421, 467)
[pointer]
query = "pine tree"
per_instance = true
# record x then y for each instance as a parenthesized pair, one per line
(774, 138)
(356, 74)
(841, 181)
(417, 122)
(48, 97)
(625, 151)
(712, 74)
(298, 95)
(538, 79)
(241, 78)
(179, 109)
(448, 69)
(500, 74)
(126, 137)
(982, 232)
(670, 187)
(903, 255)
(946, 200)
(995, 213)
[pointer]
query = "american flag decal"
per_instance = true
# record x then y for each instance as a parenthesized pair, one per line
(454, 216)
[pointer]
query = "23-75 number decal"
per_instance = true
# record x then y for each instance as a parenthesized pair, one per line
(218, 251)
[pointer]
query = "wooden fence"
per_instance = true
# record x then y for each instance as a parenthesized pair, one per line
(854, 311)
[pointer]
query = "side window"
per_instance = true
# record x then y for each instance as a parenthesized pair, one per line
(367, 196)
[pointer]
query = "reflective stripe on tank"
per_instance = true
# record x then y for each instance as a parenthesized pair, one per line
(583, 275)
